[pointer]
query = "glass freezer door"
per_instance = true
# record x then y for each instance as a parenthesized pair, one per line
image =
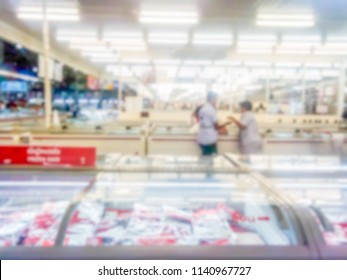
(147, 214)
(32, 205)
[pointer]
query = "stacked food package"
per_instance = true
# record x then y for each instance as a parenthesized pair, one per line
(92, 224)
(31, 226)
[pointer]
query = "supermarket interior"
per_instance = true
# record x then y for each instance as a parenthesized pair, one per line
(108, 108)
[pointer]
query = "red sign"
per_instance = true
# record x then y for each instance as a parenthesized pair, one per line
(48, 156)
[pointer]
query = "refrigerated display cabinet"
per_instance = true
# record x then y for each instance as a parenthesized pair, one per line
(32, 205)
(320, 185)
(138, 212)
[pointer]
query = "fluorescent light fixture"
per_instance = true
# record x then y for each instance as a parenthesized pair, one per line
(98, 54)
(285, 20)
(252, 44)
(273, 16)
(77, 38)
(105, 59)
(213, 39)
(127, 41)
(227, 63)
(254, 51)
(167, 62)
(283, 23)
(204, 42)
(50, 17)
(257, 64)
(168, 41)
(136, 61)
(318, 65)
(197, 62)
(129, 48)
(161, 35)
(49, 10)
(124, 35)
(168, 17)
(330, 52)
(293, 51)
(96, 48)
(153, 13)
(164, 20)
(288, 65)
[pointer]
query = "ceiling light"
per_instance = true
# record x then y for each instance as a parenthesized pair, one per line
(257, 64)
(97, 54)
(288, 65)
(227, 63)
(91, 48)
(168, 41)
(50, 17)
(77, 38)
(330, 73)
(293, 51)
(168, 17)
(136, 61)
(282, 23)
(254, 51)
(252, 44)
(105, 59)
(285, 20)
(197, 62)
(330, 52)
(129, 48)
(167, 62)
(163, 20)
(318, 65)
(200, 42)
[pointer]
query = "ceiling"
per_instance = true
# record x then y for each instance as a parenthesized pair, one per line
(236, 17)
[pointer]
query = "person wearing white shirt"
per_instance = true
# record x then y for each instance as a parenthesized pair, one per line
(250, 139)
(208, 126)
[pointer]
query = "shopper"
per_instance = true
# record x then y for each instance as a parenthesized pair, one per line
(208, 126)
(250, 139)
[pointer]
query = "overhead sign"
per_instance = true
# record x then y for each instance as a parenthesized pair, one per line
(14, 86)
(48, 156)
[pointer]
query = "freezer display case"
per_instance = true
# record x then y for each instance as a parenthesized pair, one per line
(320, 185)
(293, 166)
(32, 205)
(176, 164)
(291, 143)
(182, 216)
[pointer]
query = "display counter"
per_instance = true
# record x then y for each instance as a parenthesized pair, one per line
(320, 185)
(174, 214)
(291, 143)
(126, 139)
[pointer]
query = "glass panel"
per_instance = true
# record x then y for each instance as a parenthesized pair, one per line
(179, 209)
(32, 205)
(325, 195)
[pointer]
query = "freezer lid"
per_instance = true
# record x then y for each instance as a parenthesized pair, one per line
(144, 209)
(32, 205)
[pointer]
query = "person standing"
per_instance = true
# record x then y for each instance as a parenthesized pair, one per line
(250, 139)
(208, 126)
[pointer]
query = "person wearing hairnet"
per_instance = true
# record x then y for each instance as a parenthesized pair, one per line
(250, 139)
(208, 126)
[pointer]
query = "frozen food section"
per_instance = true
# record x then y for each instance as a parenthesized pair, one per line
(157, 207)
(320, 185)
(32, 205)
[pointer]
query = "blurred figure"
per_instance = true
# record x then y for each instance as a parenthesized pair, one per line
(250, 139)
(208, 126)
